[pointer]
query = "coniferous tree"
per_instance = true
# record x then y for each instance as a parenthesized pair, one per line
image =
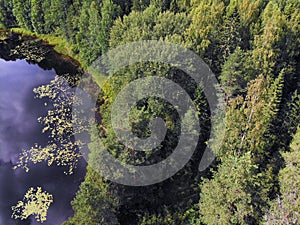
(37, 16)
(140, 5)
(239, 39)
(236, 72)
(94, 31)
(285, 209)
(109, 12)
(226, 199)
(136, 26)
(180, 5)
(204, 30)
(7, 19)
(22, 12)
(269, 46)
(94, 204)
(2, 14)
(250, 129)
(56, 15)
(82, 38)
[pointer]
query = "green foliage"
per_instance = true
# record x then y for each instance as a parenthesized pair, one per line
(93, 32)
(180, 5)
(236, 73)
(37, 16)
(151, 24)
(277, 43)
(226, 199)
(140, 5)
(94, 28)
(252, 46)
(248, 10)
(56, 16)
(207, 17)
(154, 219)
(94, 203)
(7, 19)
(22, 12)
(109, 12)
(286, 208)
(250, 128)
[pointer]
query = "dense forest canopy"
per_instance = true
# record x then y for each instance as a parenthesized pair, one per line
(252, 46)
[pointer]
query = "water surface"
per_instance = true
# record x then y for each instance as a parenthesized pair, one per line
(19, 130)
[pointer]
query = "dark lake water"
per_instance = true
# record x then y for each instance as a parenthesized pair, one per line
(19, 130)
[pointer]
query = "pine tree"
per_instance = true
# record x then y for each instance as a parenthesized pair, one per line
(140, 5)
(226, 199)
(94, 31)
(37, 16)
(48, 25)
(206, 21)
(270, 45)
(237, 72)
(134, 27)
(22, 12)
(94, 203)
(203, 34)
(250, 129)
(109, 12)
(180, 5)
(285, 209)
(56, 15)
(82, 36)
(2, 14)
(7, 19)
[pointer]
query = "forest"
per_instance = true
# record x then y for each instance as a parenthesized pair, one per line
(252, 47)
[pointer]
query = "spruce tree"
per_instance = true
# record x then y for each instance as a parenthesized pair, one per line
(109, 12)
(37, 16)
(226, 199)
(285, 209)
(22, 12)
(7, 19)
(236, 72)
(270, 45)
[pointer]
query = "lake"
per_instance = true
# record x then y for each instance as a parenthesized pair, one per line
(19, 130)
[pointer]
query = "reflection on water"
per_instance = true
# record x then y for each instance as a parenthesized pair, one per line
(19, 130)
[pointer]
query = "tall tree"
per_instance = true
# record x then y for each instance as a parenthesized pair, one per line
(236, 72)
(94, 31)
(180, 5)
(109, 12)
(56, 15)
(82, 37)
(94, 202)
(226, 199)
(22, 12)
(202, 34)
(37, 16)
(140, 5)
(7, 19)
(285, 209)
(250, 130)
(270, 44)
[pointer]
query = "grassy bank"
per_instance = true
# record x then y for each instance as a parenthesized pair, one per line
(62, 46)
(59, 44)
